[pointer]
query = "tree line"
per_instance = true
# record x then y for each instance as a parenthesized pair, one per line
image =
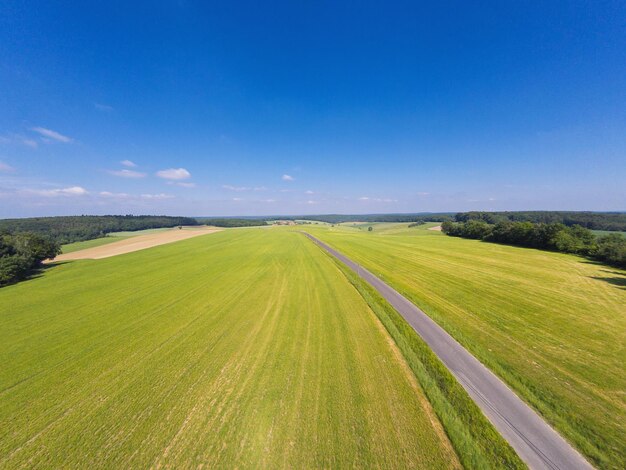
(610, 221)
(609, 249)
(401, 218)
(87, 227)
(22, 253)
(231, 222)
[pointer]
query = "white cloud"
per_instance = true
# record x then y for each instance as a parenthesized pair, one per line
(235, 188)
(311, 202)
(19, 139)
(114, 195)
(50, 134)
(377, 199)
(182, 185)
(127, 173)
(128, 163)
(5, 167)
(174, 174)
(309, 192)
(268, 200)
(71, 192)
(237, 199)
(423, 194)
(103, 107)
(287, 178)
(157, 196)
(230, 187)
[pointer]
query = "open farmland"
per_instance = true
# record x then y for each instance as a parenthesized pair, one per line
(553, 326)
(101, 248)
(245, 348)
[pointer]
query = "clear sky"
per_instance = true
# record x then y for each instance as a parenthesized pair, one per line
(242, 108)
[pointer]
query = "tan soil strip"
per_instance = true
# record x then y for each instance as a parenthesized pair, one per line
(437, 228)
(137, 243)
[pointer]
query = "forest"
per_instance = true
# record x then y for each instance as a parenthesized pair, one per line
(69, 229)
(611, 221)
(21, 254)
(231, 222)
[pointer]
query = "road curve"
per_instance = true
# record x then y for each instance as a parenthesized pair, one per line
(540, 446)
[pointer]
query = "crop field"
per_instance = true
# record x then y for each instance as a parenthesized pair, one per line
(553, 326)
(77, 246)
(243, 348)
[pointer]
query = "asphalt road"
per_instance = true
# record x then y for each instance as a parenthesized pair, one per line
(540, 446)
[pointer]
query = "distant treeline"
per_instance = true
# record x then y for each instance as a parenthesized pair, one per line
(86, 227)
(231, 222)
(22, 253)
(610, 249)
(340, 218)
(612, 221)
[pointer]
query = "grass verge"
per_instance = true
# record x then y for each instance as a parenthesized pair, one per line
(474, 438)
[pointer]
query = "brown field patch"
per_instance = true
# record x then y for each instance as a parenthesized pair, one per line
(437, 228)
(137, 243)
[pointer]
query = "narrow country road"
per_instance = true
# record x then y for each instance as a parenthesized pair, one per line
(534, 440)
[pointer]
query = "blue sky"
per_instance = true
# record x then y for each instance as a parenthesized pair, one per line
(243, 108)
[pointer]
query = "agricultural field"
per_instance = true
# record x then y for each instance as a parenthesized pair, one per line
(116, 237)
(77, 246)
(243, 348)
(553, 326)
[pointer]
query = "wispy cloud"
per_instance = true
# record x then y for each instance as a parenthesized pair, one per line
(174, 174)
(287, 178)
(377, 199)
(5, 167)
(236, 199)
(309, 192)
(72, 191)
(311, 202)
(157, 196)
(54, 135)
(182, 185)
(128, 164)
(114, 195)
(230, 187)
(127, 173)
(18, 139)
(103, 107)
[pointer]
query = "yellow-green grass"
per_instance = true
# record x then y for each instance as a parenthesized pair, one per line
(243, 348)
(552, 325)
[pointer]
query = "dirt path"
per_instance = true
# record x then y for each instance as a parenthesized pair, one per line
(139, 242)
(437, 228)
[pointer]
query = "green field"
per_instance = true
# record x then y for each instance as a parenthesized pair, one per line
(553, 326)
(243, 348)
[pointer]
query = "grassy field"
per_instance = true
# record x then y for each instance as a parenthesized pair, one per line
(245, 348)
(553, 326)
